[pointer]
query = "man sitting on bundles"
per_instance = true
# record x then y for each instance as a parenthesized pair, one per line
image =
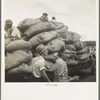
(44, 17)
(11, 31)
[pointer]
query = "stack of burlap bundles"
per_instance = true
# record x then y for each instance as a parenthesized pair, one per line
(35, 32)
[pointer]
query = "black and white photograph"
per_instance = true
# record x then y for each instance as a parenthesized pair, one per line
(50, 45)
(50, 42)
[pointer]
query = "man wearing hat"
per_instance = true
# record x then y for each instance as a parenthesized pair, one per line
(44, 17)
(11, 31)
(38, 63)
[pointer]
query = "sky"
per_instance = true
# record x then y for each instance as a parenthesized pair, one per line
(81, 16)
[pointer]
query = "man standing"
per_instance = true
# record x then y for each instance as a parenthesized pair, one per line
(11, 31)
(38, 63)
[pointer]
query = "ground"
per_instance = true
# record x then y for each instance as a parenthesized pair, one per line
(86, 76)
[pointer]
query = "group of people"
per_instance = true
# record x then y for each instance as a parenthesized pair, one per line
(13, 33)
(60, 66)
(38, 62)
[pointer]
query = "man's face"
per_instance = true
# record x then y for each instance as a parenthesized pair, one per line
(66, 54)
(7, 26)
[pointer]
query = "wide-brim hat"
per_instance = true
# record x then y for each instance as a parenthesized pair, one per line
(40, 49)
(53, 18)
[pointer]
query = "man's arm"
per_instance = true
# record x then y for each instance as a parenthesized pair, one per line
(71, 79)
(44, 75)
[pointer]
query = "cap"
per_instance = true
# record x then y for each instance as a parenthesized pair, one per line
(8, 21)
(40, 49)
(53, 18)
(45, 14)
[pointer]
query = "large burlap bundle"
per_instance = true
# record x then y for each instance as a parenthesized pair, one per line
(70, 49)
(17, 58)
(51, 57)
(59, 25)
(23, 68)
(73, 52)
(72, 62)
(81, 51)
(74, 57)
(72, 37)
(55, 45)
(79, 45)
(43, 38)
(84, 56)
(41, 27)
(28, 22)
(7, 41)
(21, 33)
(62, 30)
(25, 38)
(49, 66)
(71, 46)
(18, 45)
(63, 36)
(84, 61)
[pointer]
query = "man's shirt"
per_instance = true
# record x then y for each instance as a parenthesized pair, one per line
(38, 65)
(60, 69)
(13, 32)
